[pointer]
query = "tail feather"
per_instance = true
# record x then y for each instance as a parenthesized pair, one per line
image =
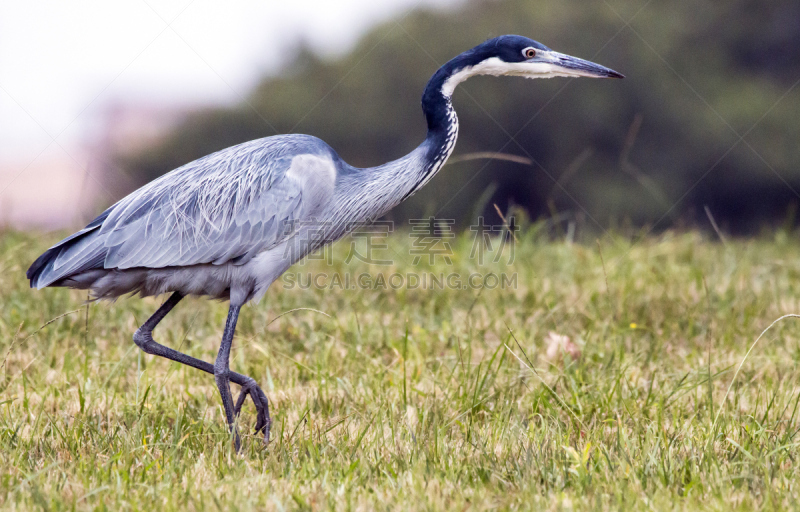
(57, 263)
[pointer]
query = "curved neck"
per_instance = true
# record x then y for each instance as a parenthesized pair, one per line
(436, 98)
(425, 161)
(436, 104)
(391, 183)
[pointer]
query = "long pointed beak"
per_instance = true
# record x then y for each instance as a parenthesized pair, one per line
(573, 66)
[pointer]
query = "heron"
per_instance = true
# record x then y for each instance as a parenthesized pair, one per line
(229, 224)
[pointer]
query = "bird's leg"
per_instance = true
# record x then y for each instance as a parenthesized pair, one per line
(251, 387)
(144, 340)
(222, 370)
(160, 313)
(264, 422)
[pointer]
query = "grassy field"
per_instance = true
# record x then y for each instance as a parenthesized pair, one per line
(424, 399)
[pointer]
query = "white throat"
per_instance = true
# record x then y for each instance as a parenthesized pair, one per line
(497, 67)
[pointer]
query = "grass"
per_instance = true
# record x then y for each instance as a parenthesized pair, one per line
(424, 399)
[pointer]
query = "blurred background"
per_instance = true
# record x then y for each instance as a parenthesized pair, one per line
(98, 98)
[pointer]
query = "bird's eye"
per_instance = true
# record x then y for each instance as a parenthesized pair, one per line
(529, 53)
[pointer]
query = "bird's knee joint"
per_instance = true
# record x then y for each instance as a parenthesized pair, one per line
(143, 339)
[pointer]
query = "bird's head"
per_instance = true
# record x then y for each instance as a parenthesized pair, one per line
(519, 56)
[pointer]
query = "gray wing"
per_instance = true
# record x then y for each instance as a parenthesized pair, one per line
(225, 207)
(228, 206)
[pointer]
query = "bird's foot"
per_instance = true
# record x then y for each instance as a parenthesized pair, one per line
(264, 422)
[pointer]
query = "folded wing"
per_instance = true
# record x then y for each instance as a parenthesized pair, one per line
(225, 207)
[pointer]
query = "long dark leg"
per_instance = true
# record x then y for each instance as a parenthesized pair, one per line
(222, 369)
(144, 340)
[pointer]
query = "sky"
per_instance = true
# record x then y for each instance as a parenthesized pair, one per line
(62, 62)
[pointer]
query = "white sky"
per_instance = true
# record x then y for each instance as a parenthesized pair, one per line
(60, 62)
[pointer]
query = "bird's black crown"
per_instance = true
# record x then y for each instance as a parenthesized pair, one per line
(509, 48)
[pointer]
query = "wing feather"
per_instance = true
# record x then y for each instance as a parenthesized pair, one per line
(225, 207)
(228, 206)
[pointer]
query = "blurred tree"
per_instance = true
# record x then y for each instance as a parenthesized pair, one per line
(707, 116)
